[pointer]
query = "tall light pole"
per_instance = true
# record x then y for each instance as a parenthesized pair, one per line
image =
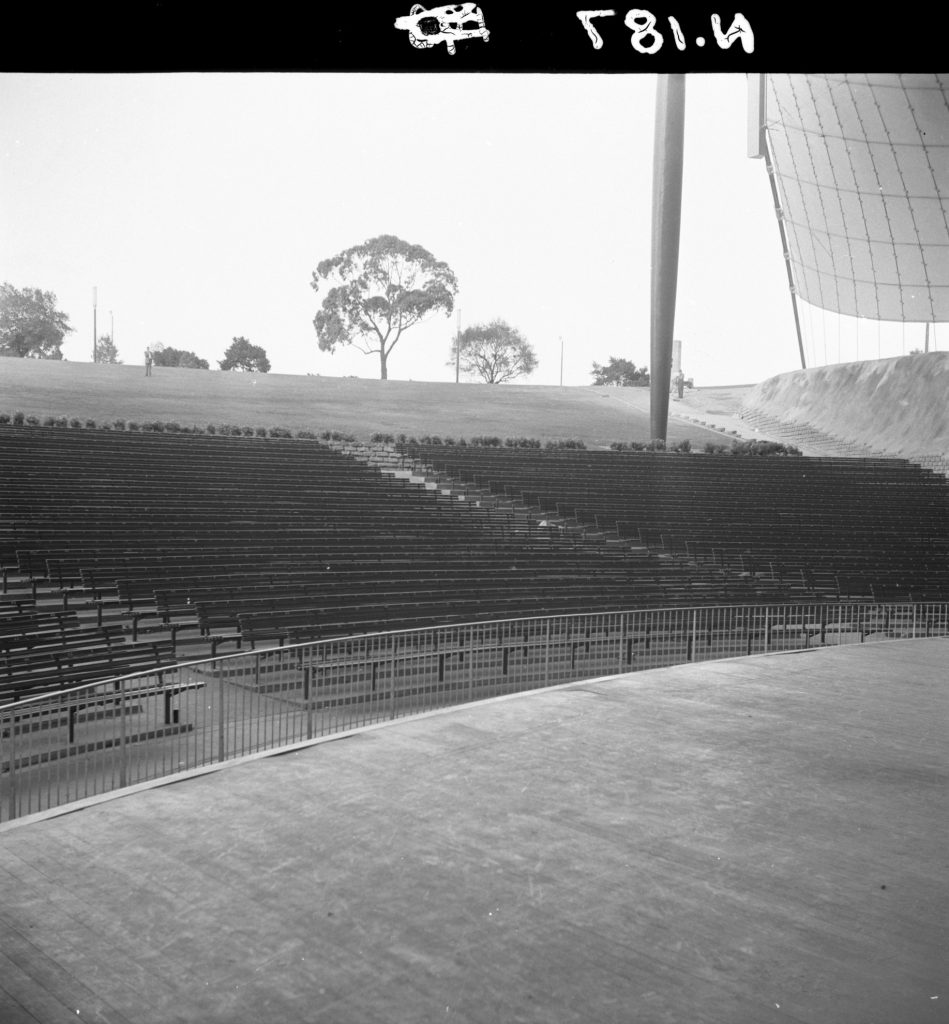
(94, 301)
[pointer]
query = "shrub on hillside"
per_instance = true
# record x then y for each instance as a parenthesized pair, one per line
(4, 417)
(119, 424)
(683, 446)
(756, 447)
(133, 425)
(172, 427)
(75, 424)
(211, 428)
(307, 435)
(260, 431)
(570, 444)
(34, 421)
(378, 438)
(280, 432)
(521, 442)
(485, 442)
(49, 422)
(18, 419)
(90, 424)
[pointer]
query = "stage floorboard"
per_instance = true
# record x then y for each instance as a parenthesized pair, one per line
(744, 842)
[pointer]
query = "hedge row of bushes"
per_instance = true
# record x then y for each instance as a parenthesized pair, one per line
(170, 427)
(474, 442)
(753, 447)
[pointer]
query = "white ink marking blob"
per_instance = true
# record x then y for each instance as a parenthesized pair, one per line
(443, 25)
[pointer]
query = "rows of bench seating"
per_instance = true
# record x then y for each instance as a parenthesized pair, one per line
(39, 646)
(149, 547)
(870, 528)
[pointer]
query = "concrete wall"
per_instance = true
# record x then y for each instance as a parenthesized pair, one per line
(900, 405)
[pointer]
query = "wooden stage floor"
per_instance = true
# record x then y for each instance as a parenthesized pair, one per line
(744, 842)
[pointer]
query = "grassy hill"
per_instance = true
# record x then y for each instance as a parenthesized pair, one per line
(104, 393)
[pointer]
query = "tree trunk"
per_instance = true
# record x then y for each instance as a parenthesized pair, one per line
(383, 372)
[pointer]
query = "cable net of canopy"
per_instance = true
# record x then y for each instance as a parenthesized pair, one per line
(861, 164)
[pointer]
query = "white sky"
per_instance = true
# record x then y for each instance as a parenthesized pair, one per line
(200, 204)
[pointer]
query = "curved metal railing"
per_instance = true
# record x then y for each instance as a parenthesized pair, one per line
(81, 742)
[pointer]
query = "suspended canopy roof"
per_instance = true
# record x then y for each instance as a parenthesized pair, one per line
(862, 169)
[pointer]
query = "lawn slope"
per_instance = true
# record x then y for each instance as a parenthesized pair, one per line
(104, 393)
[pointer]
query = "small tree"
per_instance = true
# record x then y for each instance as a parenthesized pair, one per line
(242, 355)
(106, 352)
(495, 352)
(166, 356)
(621, 373)
(30, 324)
(378, 291)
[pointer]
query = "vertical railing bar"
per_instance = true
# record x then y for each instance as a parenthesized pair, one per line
(221, 748)
(123, 752)
(14, 771)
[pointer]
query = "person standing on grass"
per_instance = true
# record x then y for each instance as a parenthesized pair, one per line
(148, 362)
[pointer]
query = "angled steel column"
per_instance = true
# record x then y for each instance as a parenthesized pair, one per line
(758, 149)
(666, 210)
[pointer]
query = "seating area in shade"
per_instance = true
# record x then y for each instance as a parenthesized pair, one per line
(125, 551)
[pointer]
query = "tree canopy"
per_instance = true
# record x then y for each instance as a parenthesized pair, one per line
(30, 324)
(166, 356)
(378, 290)
(495, 352)
(621, 373)
(242, 355)
(106, 352)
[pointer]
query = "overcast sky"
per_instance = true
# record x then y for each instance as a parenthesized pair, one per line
(199, 205)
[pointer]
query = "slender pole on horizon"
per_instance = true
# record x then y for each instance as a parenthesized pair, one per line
(94, 301)
(926, 349)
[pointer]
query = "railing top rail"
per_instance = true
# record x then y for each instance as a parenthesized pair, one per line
(20, 705)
